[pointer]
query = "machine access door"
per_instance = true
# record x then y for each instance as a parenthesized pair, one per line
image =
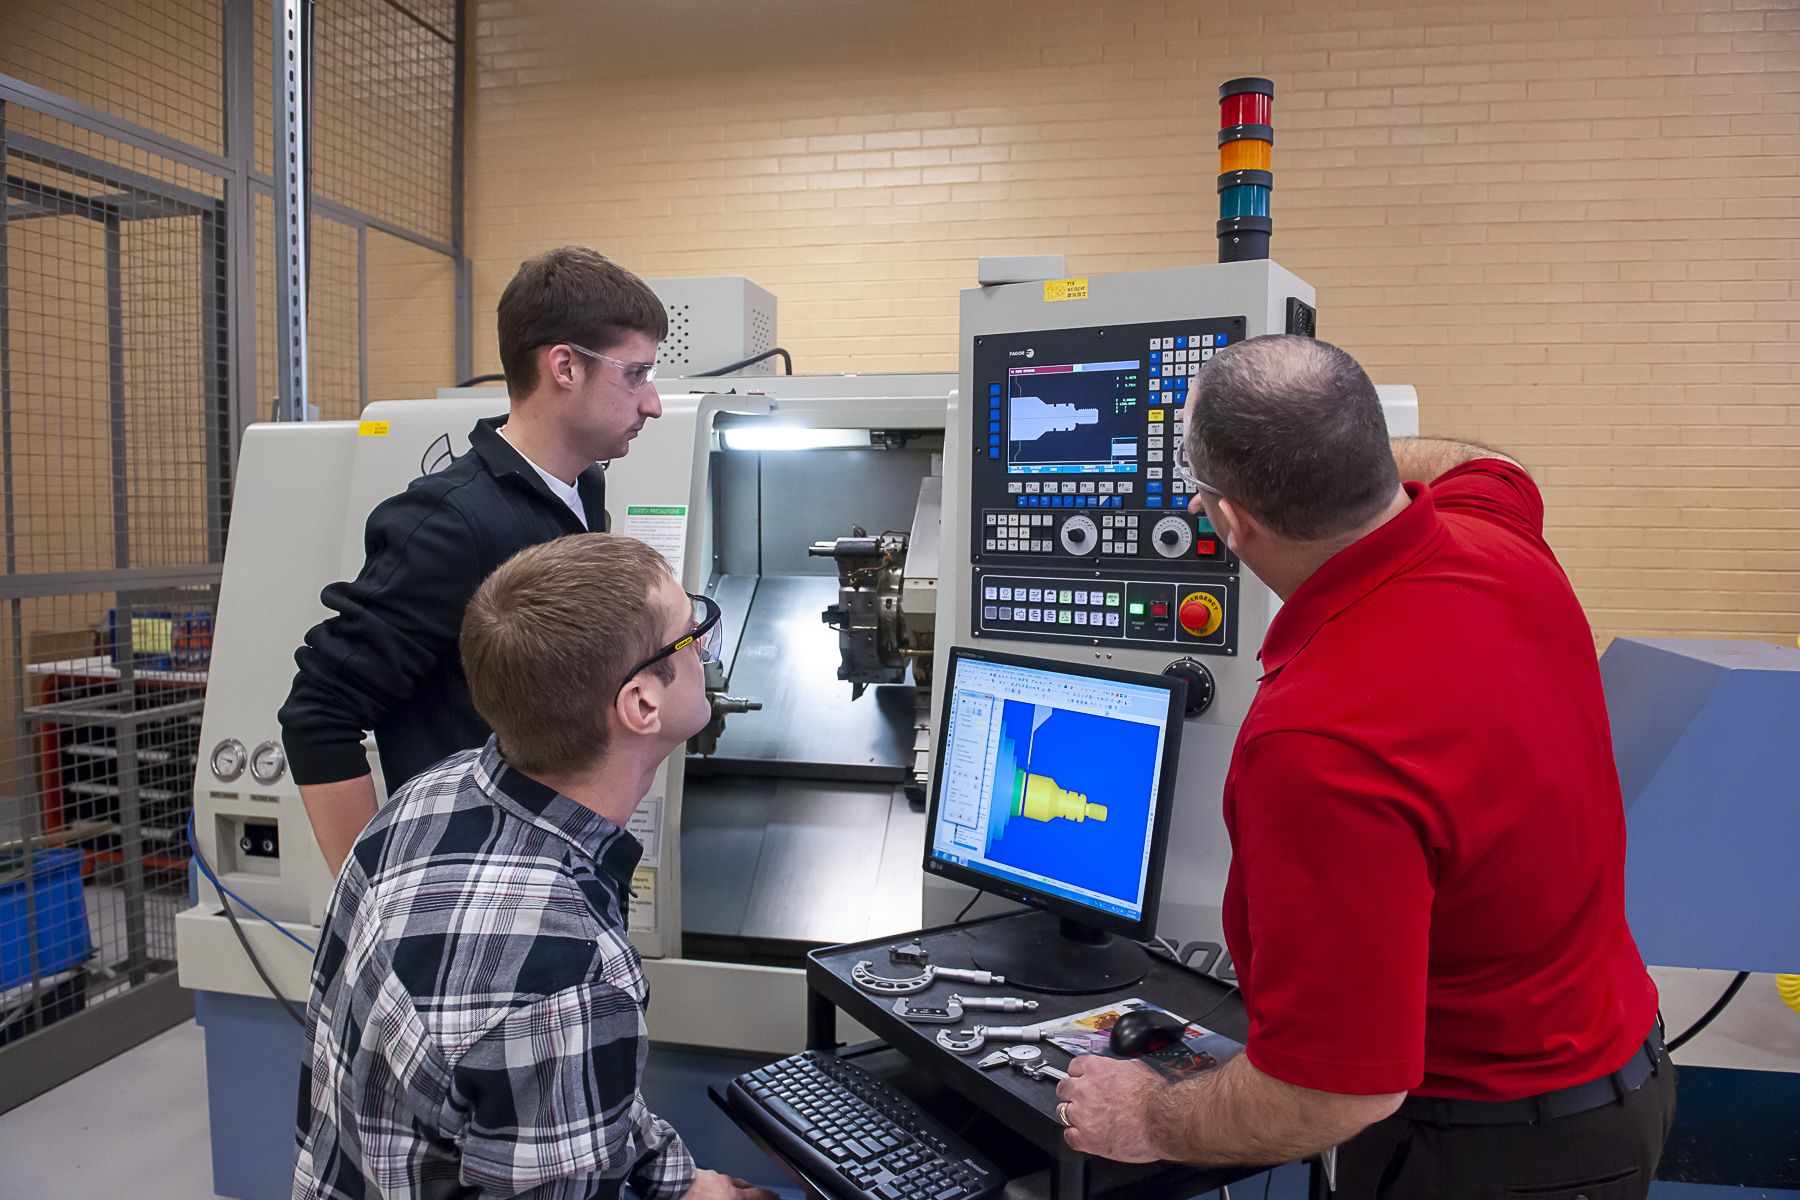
(797, 829)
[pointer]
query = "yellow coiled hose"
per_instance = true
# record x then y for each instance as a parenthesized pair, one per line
(1789, 987)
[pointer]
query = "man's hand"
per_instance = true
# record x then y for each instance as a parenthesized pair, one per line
(1424, 459)
(710, 1185)
(1235, 1114)
(1109, 1105)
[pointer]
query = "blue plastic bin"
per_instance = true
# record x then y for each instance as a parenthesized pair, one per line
(62, 927)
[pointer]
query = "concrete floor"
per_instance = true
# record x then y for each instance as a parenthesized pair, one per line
(135, 1128)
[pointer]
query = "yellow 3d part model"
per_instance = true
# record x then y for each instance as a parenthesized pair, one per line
(1041, 799)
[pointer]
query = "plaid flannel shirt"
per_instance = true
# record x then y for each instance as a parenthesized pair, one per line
(476, 1023)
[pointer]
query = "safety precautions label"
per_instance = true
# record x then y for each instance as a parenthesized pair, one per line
(643, 901)
(1065, 289)
(371, 429)
(646, 826)
(662, 527)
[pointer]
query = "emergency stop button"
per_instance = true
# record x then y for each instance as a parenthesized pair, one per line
(1200, 614)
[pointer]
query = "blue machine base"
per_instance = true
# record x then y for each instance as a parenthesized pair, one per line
(253, 1052)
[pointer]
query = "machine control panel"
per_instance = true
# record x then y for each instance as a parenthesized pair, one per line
(1089, 419)
(1198, 615)
(1075, 440)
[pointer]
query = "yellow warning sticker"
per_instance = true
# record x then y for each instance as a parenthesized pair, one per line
(371, 429)
(1065, 289)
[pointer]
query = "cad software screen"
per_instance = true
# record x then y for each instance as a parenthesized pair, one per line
(1049, 782)
(1073, 418)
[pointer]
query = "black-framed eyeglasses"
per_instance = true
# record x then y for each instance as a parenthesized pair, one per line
(706, 636)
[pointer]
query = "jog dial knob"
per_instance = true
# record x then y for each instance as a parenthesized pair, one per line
(1172, 536)
(1079, 536)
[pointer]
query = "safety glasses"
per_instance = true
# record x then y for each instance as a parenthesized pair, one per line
(636, 374)
(1183, 471)
(706, 636)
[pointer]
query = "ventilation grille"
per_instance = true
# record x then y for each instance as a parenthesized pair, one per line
(675, 350)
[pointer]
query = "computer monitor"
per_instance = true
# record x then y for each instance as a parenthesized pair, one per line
(1053, 787)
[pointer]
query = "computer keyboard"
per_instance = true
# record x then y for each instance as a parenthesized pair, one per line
(856, 1136)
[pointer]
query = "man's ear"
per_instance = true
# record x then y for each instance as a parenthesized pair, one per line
(1240, 526)
(638, 708)
(559, 365)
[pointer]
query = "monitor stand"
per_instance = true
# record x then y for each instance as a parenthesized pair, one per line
(1045, 953)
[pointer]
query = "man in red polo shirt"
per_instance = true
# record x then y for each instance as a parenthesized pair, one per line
(1426, 900)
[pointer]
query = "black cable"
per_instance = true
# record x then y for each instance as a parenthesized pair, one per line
(967, 907)
(1706, 1019)
(749, 362)
(287, 1005)
(481, 379)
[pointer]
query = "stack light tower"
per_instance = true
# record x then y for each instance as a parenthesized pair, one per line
(1246, 148)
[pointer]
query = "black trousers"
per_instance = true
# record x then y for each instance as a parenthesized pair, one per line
(1606, 1153)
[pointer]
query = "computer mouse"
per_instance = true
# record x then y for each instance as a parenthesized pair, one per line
(1145, 1030)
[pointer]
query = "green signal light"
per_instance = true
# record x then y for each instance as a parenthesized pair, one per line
(1137, 610)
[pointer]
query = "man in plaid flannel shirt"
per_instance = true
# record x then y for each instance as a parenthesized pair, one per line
(476, 1024)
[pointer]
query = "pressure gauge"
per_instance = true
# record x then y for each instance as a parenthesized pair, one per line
(1172, 537)
(267, 763)
(229, 758)
(1079, 535)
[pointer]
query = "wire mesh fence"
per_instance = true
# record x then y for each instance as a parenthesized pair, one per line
(122, 295)
(156, 65)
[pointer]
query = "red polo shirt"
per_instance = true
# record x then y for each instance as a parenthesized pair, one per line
(1427, 885)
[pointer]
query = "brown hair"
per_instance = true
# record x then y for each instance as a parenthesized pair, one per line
(571, 295)
(547, 639)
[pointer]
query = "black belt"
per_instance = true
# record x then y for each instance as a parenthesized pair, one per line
(1536, 1110)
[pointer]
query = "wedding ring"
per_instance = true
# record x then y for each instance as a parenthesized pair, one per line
(1062, 1115)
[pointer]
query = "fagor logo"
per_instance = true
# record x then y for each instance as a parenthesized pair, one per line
(1022, 353)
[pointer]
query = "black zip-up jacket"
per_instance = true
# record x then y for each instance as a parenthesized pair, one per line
(388, 660)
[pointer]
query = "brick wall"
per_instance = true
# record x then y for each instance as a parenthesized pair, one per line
(1571, 224)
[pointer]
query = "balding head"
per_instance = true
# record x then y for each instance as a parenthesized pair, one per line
(1290, 429)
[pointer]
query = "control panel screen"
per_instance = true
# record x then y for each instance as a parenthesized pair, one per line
(1074, 418)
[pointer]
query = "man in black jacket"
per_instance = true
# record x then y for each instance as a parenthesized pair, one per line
(578, 341)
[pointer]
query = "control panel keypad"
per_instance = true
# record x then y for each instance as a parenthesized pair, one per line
(1196, 616)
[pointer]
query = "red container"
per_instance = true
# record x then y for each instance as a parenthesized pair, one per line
(1246, 108)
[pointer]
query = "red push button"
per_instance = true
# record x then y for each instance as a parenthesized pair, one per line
(1206, 547)
(1201, 614)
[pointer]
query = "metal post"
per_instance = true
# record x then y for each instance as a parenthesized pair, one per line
(115, 387)
(465, 272)
(291, 150)
(362, 317)
(238, 78)
(215, 382)
(131, 824)
(28, 823)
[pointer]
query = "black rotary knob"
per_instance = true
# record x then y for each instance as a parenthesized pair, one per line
(1169, 537)
(1200, 687)
(1077, 534)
